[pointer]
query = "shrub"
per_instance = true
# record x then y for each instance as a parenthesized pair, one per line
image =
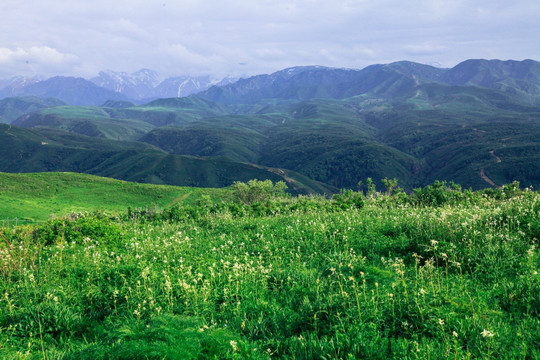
(69, 229)
(257, 191)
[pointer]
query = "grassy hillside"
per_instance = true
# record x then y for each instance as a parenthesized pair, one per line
(238, 137)
(30, 150)
(12, 108)
(457, 146)
(85, 120)
(434, 275)
(36, 196)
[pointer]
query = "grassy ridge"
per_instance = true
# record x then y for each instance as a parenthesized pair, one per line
(34, 197)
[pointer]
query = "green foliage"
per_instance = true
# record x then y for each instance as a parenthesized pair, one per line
(162, 337)
(437, 194)
(256, 191)
(441, 273)
(76, 228)
(348, 199)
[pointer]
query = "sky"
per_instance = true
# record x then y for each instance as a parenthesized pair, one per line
(249, 37)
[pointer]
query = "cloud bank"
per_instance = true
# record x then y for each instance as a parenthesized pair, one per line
(239, 37)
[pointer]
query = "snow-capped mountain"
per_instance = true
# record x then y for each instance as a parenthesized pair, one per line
(138, 85)
(15, 84)
(185, 85)
(145, 85)
(141, 86)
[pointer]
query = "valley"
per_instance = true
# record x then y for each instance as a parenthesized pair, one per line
(331, 127)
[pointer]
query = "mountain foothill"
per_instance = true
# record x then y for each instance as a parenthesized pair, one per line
(319, 129)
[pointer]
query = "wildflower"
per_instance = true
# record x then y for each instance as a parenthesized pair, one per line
(441, 322)
(455, 334)
(487, 333)
(234, 345)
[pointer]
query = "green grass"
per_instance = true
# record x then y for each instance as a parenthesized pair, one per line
(36, 196)
(353, 277)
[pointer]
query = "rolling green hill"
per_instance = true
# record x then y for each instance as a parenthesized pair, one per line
(14, 107)
(35, 196)
(238, 137)
(85, 120)
(31, 150)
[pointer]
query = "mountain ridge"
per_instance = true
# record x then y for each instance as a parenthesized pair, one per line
(417, 123)
(518, 77)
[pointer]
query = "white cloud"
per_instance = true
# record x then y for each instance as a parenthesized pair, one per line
(36, 59)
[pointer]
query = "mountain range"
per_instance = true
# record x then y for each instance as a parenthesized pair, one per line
(318, 128)
(139, 87)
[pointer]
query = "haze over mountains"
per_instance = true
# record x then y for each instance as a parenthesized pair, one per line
(139, 87)
(319, 128)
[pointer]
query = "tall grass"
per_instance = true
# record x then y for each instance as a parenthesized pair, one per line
(299, 278)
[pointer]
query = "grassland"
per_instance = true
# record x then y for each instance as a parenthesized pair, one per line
(441, 273)
(36, 196)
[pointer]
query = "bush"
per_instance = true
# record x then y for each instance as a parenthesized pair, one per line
(76, 229)
(348, 199)
(257, 191)
(437, 194)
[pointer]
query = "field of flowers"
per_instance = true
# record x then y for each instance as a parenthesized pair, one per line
(441, 273)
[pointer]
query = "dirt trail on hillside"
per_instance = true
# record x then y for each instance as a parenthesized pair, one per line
(487, 179)
(492, 152)
(483, 173)
(283, 175)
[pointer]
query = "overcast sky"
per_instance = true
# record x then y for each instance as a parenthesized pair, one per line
(248, 37)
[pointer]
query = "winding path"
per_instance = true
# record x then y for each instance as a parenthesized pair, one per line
(483, 173)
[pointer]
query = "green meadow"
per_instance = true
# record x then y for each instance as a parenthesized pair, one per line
(438, 273)
(34, 197)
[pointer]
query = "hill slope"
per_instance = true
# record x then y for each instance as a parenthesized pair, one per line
(31, 150)
(34, 197)
(12, 108)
